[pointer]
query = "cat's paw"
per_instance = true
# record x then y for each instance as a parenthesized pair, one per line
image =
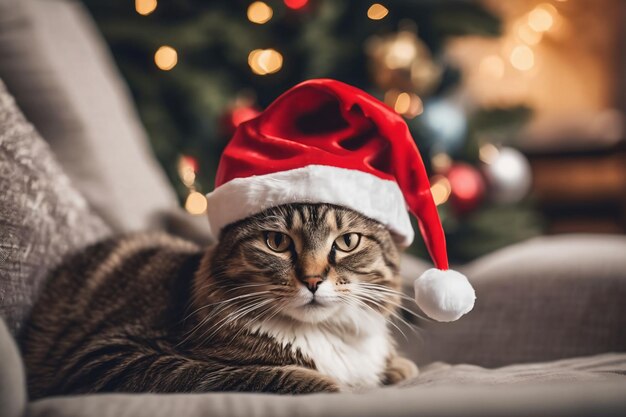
(399, 369)
(310, 381)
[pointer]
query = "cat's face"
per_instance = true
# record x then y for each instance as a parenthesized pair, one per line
(309, 262)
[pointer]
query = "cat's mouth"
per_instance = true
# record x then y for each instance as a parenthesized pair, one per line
(315, 303)
(313, 310)
(319, 302)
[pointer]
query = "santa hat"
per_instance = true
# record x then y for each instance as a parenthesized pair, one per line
(324, 141)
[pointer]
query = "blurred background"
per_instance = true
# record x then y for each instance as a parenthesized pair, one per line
(517, 106)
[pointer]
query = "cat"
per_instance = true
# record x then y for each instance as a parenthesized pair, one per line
(296, 299)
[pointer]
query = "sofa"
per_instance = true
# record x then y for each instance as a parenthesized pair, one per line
(547, 336)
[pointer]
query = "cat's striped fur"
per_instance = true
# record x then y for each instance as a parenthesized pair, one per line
(152, 313)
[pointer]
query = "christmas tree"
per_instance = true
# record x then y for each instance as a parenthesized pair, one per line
(197, 69)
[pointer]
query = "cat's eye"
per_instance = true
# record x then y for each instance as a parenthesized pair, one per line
(276, 241)
(348, 242)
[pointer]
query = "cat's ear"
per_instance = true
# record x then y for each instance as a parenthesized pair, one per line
(444, 295)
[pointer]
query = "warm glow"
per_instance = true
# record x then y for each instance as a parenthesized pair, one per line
(440, 188)
(522, 58)
(187, 167)
(259, 12)
(441, 162)
(528, 35)
(492, 66)
(145, 7)
(402, 51)
(296, 4)
(407, 104)
(166, 58)
(377, 11)
(403, 102)
(265, 61)
(195, 203)
(541, 18)
(488, 153)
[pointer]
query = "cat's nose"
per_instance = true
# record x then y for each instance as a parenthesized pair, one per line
(312, 282)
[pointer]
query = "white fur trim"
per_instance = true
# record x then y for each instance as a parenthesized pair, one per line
(371, 196)
(444, 295)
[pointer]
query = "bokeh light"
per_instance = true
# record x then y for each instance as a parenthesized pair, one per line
(541, 18)
(522, 58)
(402, 52)
(196, 203)
(440, 188)
(377, 11)
(145, 7)
(259, 12)
(488, 153)
(187, 167)
(265, 61)
(441, 162)
(527, 35)
(166, 58)
(296, 4)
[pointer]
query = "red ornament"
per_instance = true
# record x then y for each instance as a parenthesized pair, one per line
(296, 4)
(467, 187)
(236, 116)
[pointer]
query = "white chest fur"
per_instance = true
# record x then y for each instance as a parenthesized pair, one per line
(354, 359)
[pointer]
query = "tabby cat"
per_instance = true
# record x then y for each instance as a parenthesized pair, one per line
(296, 299)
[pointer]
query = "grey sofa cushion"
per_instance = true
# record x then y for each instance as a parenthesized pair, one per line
(42, 216)
(56, 65)
(581, 387)
(547, 298)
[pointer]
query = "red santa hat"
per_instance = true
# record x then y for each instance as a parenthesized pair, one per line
(324, 141)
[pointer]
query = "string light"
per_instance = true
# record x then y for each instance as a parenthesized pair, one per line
(265, 61)
(145, 7)
(296, 4)
(259, 12)
(166, 58)
(196, 203)
(522, 58)
(541, 18)
(440, 188)
(377, 11)
(492, 66)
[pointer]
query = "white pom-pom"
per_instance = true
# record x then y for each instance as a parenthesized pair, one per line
(444, 295)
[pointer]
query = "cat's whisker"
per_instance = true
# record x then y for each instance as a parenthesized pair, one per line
(362, 288)
(400, 306)
(242, 311)
(391, 312)
(223, 302)
(363, 304)
(218, 307)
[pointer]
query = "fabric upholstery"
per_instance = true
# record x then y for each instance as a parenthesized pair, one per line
(42, 216)
(56, 65)
(12, 380)
(581, 387)
(547, 298)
